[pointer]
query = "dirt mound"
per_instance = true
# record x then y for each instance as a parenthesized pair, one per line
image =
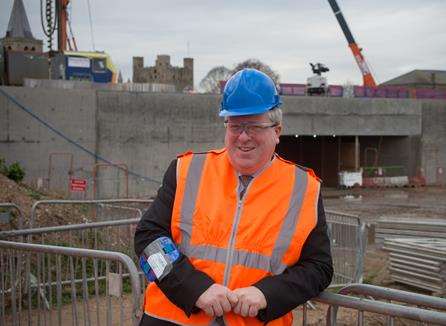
(25, 196)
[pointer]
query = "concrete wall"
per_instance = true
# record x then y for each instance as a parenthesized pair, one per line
(433, 141)
(351, 117)
(24, 139)
(146, 130)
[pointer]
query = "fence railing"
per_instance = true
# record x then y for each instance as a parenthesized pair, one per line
(347, 235)
(64, 281)
(348, 243)
(42, 284)
(423, 312)
(104, 203)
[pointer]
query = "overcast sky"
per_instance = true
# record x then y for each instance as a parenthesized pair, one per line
(397, 35)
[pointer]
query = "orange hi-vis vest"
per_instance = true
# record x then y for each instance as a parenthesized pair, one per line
(237, 242)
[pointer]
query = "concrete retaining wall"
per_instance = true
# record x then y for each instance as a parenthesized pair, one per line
(433, 141)
(147, 130)
(351, 117)
(24, 139)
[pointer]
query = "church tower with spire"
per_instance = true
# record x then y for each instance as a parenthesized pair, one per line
(20, 53)
(18, 35)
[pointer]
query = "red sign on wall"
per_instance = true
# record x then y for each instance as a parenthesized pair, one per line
(78, 184)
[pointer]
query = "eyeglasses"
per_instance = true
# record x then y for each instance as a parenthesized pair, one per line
(249, 128)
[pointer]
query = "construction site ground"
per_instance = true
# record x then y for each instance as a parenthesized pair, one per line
(369, 204)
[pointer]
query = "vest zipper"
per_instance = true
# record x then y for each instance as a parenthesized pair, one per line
(230, 254)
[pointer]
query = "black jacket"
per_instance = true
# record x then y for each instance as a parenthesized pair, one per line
(184, 284)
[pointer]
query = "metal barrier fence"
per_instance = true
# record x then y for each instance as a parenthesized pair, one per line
(423, 312)
(18, 209)
(71, 276)
(104, 209)
(107, 235)
(348, 243)
(42, 284)
(116, 236)
(347, 235)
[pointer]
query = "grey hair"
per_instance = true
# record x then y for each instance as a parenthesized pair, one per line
(275, 115)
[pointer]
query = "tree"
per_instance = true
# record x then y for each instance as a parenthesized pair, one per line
(259, 65)
(211, 82)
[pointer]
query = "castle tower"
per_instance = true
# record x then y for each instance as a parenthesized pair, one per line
(162, 60)
(188, 64)
(138, 65)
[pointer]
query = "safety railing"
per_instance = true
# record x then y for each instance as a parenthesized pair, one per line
(136, 212)
(107, 235)
(69, 275)
(425, 310)
(18, 209)
(348, 243)
(43, 285)
(347, 235)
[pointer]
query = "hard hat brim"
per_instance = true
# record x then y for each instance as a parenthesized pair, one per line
(246, 111)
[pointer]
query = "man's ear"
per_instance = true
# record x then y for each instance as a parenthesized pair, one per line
(278, 131)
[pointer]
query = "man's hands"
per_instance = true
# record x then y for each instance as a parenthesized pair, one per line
(250, 301)
(218, 299)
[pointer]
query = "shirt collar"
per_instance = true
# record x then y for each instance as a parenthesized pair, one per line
(263, 168)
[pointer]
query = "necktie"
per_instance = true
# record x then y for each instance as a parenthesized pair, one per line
(244, 180)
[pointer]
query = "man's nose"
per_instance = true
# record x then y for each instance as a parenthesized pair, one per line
(244, 135)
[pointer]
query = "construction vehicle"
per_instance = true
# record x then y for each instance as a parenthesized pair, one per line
(22, 56)
(317, 84)
(367, 76)
(67, 62)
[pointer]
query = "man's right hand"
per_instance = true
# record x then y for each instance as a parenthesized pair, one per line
(217, 300)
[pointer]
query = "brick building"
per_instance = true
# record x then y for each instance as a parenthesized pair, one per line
(164, 73)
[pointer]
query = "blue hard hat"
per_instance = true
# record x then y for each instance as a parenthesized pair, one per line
(247, 92)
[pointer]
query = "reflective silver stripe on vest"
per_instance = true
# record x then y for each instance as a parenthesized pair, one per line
(205, 252)
(271, 264)
(288, 229)
(190, 197)
(252, 260)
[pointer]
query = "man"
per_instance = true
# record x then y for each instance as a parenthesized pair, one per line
(249, 226)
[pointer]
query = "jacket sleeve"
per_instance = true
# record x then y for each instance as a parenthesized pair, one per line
(184, 284)
(302, 281)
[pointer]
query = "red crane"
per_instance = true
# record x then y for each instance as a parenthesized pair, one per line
(62, 23)
(367, 77)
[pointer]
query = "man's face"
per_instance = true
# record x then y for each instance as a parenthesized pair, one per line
(251, 149)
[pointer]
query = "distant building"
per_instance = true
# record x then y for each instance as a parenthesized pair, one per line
(164, 73)
(20, 53)
(18, 35)
(434, 79)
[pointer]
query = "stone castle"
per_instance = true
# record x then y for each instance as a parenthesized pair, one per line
(164, 73)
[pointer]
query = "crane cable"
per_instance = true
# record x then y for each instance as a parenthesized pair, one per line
(91, 24)
(71, 29)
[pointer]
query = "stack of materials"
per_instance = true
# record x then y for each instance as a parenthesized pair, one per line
(392, 227)
(418, 262)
